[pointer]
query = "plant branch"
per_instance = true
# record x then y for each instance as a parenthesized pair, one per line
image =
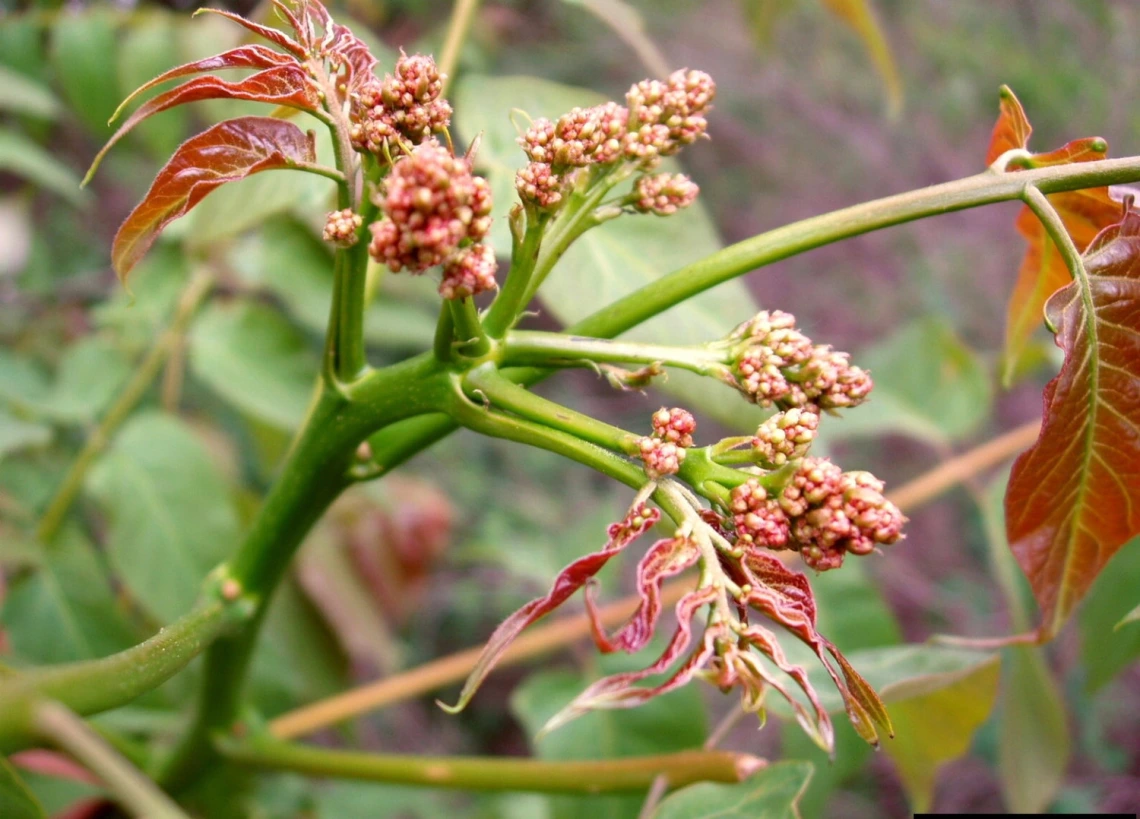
(550, 637)
(469, 333)
(462, 13)
(486, 383)
(536, 348)
(97, 685)
(735, 260)
(496, 774)
(135, 792)
(145, 373)
(511, 301)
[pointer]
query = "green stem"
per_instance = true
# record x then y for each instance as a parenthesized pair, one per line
(444, 333)
(497, 774)
(527, 347)
(490, 422)
(735, 260)
(145, 373)
(345, 357)
(97, 685)
(316, 470)
(134, 790)
(462, 13)
(575, 219)
(469, 332)
(486, 383)
(511, 301)
(1051, 220)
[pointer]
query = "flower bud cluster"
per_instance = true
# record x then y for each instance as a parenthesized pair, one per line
(469, 272)
(434, 206)
(664, 451)
(674, 425)
(662, 117)
(403, 108)
(758, 518)
(664, 194)
(666, 116)
(786, 436)
(341, 226)
(833, 513)
(773, 363)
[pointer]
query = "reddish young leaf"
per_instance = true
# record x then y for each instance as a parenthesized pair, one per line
(569, 580)
(1074, 497)
(286, 84)
(785, 597)
(228, 151)
(1084, 213)
(273, 35)
(620, 690)
(664, 559)
(247, 56)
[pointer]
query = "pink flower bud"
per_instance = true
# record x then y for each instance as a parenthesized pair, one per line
(675, 426)
(341, 226)
(469, 272)
(664, 194)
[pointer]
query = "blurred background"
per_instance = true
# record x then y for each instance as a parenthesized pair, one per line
(821, 104)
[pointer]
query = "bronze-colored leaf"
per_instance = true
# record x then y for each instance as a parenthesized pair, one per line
(1074, 497)
(228, 151)
(284, 85)
(1084, 213)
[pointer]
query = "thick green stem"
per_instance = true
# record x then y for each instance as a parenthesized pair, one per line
(315, 472)
(497, 774)
(147, 370)
(98, 685)
(135, 792)
(486, 383)
(512, 299)
(469, 332)
(983, 189)
(527, 347)
(490, 422)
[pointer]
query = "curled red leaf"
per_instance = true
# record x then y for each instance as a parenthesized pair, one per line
(228, 151)
(569, 580)
(664, 559)
(1074, 496)
(621, 691)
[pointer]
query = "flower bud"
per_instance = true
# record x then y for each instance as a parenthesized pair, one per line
(341, 226)
(664, 194)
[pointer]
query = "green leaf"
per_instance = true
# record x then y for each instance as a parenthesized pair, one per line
(896, 672)
(24, 158)
(16, 800)
(928, 384)
(22, 95)
(252, 357)
(297, 266)
(171, 519)
(1108, 644)
(673, 722)
(936, 725)
(64, 609)
(90, 375)
(773, 793)
(83, 44)
(146, 50)
(1033, 741)
(16, 434)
